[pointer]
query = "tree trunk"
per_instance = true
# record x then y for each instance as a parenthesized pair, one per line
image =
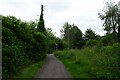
(119, 33)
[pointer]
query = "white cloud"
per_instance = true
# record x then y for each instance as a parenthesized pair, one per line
(83, 13)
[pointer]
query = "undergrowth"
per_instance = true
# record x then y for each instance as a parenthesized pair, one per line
(97, 62)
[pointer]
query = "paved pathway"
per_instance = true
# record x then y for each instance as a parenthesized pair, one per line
(53, 68)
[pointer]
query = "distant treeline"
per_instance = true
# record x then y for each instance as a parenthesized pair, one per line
(110, 15)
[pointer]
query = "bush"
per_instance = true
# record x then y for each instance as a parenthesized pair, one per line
(94, 62)
(40, 48)
(52, 47)
(91, 43)
(21, 46)
(8, 37)
(109, 39)
(13, 59)
(13, 54)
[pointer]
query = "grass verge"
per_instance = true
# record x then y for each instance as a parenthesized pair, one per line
(30, 71)
(76, 70)
(92, 62)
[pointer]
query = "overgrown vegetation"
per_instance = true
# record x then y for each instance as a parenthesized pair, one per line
(94, 56)
(23, 44)
(92, 62)
(30, 71)
(84, 54)
(20, 46)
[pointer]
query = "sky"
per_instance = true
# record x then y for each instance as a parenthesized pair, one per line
(83, 13)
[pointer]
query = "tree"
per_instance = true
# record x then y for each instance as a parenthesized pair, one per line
(66, 33)
(109, 16)
(118, 21)
(51, 40)
(41, 26)
(72, 35)
(119, 29)
(76, 37)
(89, 34)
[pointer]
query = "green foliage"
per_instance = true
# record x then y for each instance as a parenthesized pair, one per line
(30, 71)
(92, 62)
(41, 26)
(52, 41)
(40, 48)
(10, 37)
(77, 39)
(109, 39)
(13, 59)
(61, 44)
(91, 43)
(89, 34)
(21, 45)
(111, 17)
(72, 35)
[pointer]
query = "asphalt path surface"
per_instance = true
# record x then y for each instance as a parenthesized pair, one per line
(53, 68)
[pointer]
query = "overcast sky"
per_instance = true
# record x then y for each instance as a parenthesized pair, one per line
(83, 13)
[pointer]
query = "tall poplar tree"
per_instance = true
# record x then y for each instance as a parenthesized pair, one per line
(41, 26)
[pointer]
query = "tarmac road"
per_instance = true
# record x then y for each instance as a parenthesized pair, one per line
(53, 68)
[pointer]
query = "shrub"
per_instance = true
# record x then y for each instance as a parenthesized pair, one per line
(91, 43)
(40, 47)
(94, 62)
(21, 46)
(8, 37)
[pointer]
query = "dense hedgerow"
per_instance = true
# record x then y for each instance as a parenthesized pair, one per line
(20, 45)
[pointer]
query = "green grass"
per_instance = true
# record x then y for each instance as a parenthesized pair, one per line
(30, 71)
(94, 62)
(76, 70)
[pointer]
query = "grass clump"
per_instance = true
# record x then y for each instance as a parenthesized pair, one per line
(30, 71)
(93, 62)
